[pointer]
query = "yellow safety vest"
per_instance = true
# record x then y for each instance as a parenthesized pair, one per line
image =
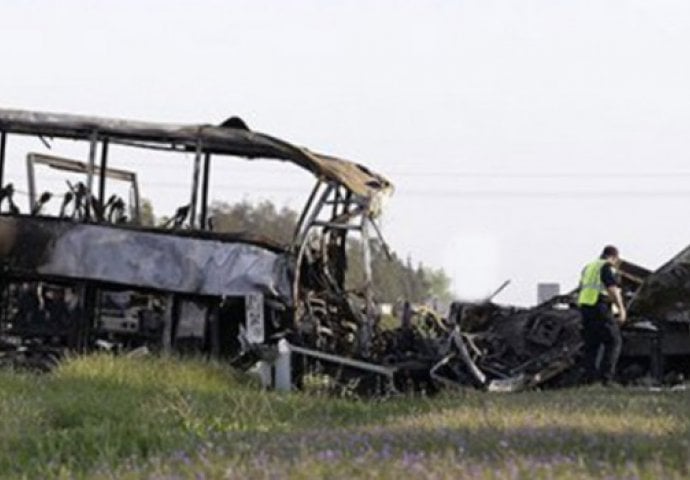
(591, 285)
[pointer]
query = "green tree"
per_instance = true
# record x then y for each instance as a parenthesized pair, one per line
(259, 219)
(439, 285)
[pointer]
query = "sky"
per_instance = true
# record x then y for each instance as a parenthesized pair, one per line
(521, 136)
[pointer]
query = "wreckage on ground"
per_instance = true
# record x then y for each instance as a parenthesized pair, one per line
(504, 348)
(91, 276)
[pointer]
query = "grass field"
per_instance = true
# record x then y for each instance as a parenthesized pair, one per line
(105, 417)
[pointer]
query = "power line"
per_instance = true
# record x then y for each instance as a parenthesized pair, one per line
(543, 175)
(516, 194)
(436, 193)
(474, 174)
(459, 192)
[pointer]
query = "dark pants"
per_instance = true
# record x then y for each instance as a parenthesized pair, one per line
(600, 328)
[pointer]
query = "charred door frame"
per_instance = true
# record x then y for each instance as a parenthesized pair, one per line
(348, 213)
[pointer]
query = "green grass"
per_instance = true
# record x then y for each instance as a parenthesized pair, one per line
(107, 417)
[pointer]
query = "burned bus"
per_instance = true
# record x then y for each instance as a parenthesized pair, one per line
(92, 275)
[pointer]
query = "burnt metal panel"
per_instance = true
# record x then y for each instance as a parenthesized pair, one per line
(140, 258)
(665, 294)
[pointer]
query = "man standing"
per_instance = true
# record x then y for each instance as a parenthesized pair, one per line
(598, 290)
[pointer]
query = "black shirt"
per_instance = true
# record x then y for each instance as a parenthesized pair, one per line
(607, 276)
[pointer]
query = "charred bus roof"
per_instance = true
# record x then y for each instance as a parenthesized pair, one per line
(231, 138)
